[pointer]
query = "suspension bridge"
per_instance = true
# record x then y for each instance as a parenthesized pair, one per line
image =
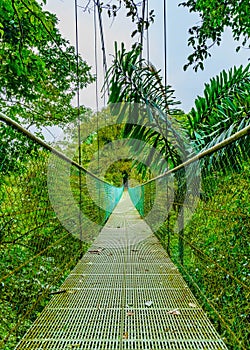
(116, 287)
(87, 265)
(125, 293)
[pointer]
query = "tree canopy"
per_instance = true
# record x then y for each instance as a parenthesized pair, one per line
(222, 111)
(215, 16)
(38, 71)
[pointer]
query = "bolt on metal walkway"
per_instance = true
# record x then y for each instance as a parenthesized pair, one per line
(125, 293)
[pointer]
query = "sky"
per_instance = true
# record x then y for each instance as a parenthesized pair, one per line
(187, 85)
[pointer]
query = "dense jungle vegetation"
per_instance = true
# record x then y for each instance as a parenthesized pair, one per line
(40, 74)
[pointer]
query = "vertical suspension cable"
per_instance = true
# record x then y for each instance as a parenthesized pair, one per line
(96, 63)
(165, 40)
(165, 53)
(97, 102)
(148, 48)
(142, 28)
(104, 57)
(165, 84)
(165, 59)
(78, 115)
(96, 85)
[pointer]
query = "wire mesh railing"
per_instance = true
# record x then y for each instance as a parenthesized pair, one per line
(206, 230)
(46, 223)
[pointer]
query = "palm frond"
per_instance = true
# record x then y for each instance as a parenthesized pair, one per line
(225, 102)
(141, 100)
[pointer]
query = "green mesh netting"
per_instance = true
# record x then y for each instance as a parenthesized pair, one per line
(51, 209)
(206, 231)
(137, 196)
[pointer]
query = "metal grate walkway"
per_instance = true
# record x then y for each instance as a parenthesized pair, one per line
(125, 293)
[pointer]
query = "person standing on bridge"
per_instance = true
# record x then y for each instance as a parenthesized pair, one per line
(125, 179)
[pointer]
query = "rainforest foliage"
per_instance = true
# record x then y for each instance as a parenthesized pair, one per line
(38, 70)
(215, 16)
(39, 78)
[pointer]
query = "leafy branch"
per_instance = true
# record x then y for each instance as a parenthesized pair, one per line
(215, 17)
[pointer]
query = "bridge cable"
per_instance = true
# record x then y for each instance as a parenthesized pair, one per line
(78, 114)
(166, 109)
(96, 85)
(165, 40)
(104, 56)
(142, 27)
(148, 46)
(96, 98)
